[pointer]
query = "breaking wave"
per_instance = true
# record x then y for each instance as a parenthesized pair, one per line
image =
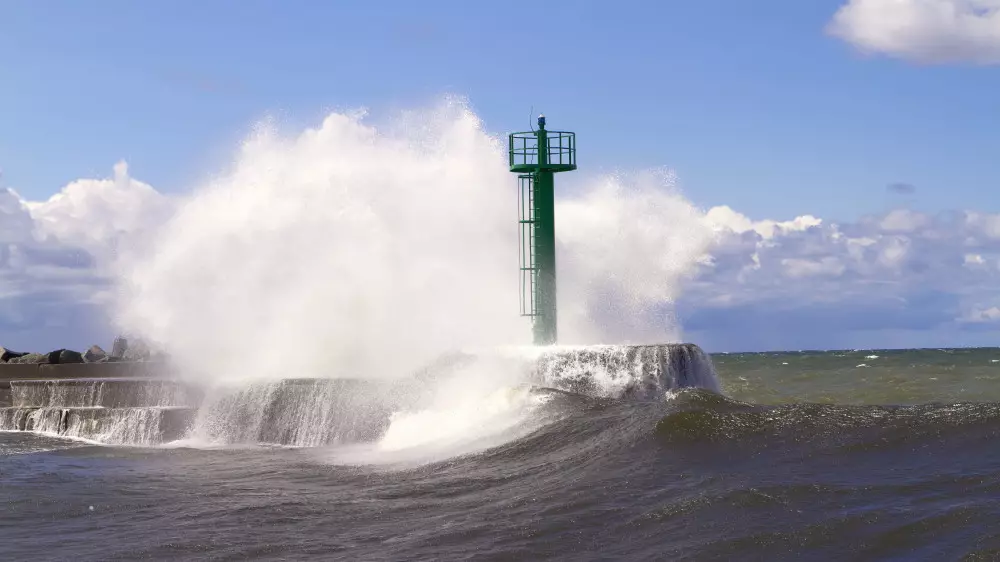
(366, 250)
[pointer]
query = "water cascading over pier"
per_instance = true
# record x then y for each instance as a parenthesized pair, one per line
(118, 411)
(304, 366)
(314, 412)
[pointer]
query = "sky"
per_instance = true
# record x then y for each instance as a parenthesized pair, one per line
(843, 151)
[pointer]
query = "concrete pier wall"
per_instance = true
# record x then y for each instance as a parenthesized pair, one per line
(13, 372)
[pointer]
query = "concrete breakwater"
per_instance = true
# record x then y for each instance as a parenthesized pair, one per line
(112, 411)
(137, 360)
(143, 403)
(146, 412)
(13, 372)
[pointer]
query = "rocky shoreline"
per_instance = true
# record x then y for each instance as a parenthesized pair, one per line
(122, 351)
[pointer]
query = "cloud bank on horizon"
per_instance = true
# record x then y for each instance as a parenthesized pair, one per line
(57, 256)
(757, 284)
(927, 31)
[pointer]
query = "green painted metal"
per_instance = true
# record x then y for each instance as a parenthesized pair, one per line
(536, 156)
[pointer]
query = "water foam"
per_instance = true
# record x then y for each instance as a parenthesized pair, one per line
(360, 251)
(145, 426)
(601, 371)
(295, 412)
(475, 405)
(615, 371)
(318, 253)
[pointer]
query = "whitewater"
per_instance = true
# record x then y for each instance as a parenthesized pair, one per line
(351, 381)
(368, 250)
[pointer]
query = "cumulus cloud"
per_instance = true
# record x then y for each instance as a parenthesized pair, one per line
(734, 281)
(811, 281)
(57, 256)
(756, 283)
(930, 31)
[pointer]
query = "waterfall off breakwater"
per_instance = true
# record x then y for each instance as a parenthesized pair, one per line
(312, 412)
(112, 411)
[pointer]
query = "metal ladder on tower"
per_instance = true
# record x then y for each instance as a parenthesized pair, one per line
(526, 243)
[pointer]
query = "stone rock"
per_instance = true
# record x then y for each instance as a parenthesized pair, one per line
(95, 355)
(61, 356)
(7, 354)
(137, 350)
(31, 358)
(133, 349)
(119, 347)
(70, 356)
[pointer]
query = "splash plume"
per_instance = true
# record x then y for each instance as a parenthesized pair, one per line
(354, 250)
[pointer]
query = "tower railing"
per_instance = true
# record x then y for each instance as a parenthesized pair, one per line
(561, 151)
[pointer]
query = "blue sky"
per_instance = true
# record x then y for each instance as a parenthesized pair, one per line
(752, 103)
(767, 111)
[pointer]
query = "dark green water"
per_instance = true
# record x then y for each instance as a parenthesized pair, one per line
(862, 376)
(809, 456)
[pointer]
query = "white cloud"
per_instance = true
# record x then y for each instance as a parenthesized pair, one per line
(725, 218)
(631, 251)
(973, 260)
(901, 270)
(932, 31)
(982, 315)
(902, 220)
(737, 282)
(96, 214)
(829, 266)
(56, 257)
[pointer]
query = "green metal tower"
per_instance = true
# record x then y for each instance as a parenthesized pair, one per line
(535, 156)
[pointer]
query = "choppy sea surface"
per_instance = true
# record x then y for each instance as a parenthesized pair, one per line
(844, 455)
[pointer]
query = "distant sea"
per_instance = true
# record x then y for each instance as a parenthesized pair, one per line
(840, 455)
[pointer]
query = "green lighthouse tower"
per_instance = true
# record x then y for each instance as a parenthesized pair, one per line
(536, 156)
